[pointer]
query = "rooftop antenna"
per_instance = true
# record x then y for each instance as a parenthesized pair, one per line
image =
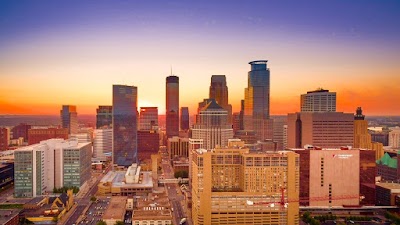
(171, 70)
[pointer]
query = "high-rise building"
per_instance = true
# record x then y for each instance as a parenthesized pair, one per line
(184, 118)
(148, 118)
(36, 135)
(102, 143)
(325, 130)
(212, 125)
(148, 143)
(21, 130)
(279, 131)
(52, 163)
(236, 122)
(4, 138)
(394, 137)
(172, 106)
(69, 118)
(178, 147)
(219, 92)
(104, 116)
(318, 101)
(233, 186)
(380, 136)
(124, 125)
(257, 101)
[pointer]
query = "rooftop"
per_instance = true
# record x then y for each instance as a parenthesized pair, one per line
(387, 161)
(117, 178)
(6, 215)
(116, 208)
(392, 186)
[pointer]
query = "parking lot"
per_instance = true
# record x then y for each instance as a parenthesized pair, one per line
(95, 211)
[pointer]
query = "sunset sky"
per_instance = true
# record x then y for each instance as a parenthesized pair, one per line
(54, 53)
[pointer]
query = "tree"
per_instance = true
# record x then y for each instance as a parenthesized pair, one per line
(93, 198)
(119, 223)
(101, 222)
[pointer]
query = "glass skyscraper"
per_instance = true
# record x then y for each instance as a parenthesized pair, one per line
(124, 125)
(104, 116)
(69, 118)
(256, 105)
(172, 107)
(184, 118)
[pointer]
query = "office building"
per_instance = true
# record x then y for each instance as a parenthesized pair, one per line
(148, 118)
(51, 164)
(6, 174)
(21, 130)
(387, 167)
(36, 135)
(103, 116)
(124, 125)
(172, 106)
(69, 118)
(324, 129)
(178, 147)
(236, 122)
(394, 137)
(257, 101)
(386, 194)
(185, 118)
(4, 138)
(279, 131)
(233, 186)
(219, 92)
(319, 100)
(148, 143)
(331, 177)
(102, 143)
(212, 125)
(380, 136)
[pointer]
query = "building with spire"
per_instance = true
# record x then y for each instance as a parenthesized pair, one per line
(172, 106)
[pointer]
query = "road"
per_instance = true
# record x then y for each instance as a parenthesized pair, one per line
(174, 193)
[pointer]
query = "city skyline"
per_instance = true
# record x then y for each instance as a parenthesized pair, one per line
(72, 53)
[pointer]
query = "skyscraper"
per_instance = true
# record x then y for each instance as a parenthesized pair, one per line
(184, 118)
(104, 116)
(172, 106)
(124, 125)
(319, 100)
(219, 92)
(102, 143)
(256, 103)
(148, 118)
(212, 125)
(69, 118)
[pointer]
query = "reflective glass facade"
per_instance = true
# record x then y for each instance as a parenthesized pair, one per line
(124, 125)
(172, 107)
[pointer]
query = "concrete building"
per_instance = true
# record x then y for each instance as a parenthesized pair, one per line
(102, 143)
(172, 106)
(54, 163)
(178, 147)
(104, 116)
(319, 100)
(115, 210)
(36, 135)
(325, 129)
(334, 177)
(155, 210)
(185, 118)
(386, 193)
(234, 186)
(219, 92)
(148, 119)
(387, 167)
(280, 134)
(380, 136)
(394, 137)
(212, 125)
(69, 118)
(4, 138)
(257, 101)
(125, 124)
(21, 130)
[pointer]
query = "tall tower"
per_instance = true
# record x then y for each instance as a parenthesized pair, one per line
(148, 119)
(69, 118)
(319, 100)
(219, 92)
(212, 125)
(124, 125)
(256, 103)
(104, 116)
(184, 118)
(172, 107)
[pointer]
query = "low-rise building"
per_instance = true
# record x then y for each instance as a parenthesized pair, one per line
(155, 209)
(115, 211)
(386, 193)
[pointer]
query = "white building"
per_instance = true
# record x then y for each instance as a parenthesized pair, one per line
(318, 101)
(102, 143)
(394, 137)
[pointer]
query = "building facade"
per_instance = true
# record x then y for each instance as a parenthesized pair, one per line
(148, 143)
(394, 137)
(21, 130)
(69, 118)
(212, 125)
(319, 100)
(257, 101)
(102, 143)
(325, 130)
(4, 138)
(36, 135)
(172, 106)
(219, 92)
(178, 147)
(124, 125)
(148, 119)
(103, 116)
(185, 118)
(6, 174)
(234, 186)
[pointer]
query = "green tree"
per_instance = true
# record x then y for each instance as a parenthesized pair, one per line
(101, 222)
(93, 198)
(119, 223)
